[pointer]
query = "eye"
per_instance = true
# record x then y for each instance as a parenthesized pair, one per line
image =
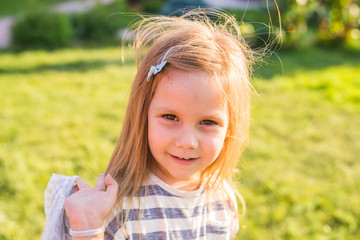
(170, 117)
(208, 122)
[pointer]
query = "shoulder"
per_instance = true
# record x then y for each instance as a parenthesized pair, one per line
(230, 192)
(225, 211)
(234, 227)
(223, 192)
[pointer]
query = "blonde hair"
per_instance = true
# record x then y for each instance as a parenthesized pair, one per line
(199, 44)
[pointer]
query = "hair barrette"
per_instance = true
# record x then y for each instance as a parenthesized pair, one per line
(159, 66)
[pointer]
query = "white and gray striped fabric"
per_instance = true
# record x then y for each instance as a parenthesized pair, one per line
(163, 212)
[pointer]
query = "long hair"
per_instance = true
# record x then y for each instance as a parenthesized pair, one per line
(199, 44)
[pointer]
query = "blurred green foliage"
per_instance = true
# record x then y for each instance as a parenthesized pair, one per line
(303, 22)
(23, 6)
(62, 112)
(152, 6)
(257, 27)
(100, 25)
(41, 29)
(97, 27)
(326, 22)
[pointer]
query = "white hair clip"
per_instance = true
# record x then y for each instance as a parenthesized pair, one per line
(159, 66)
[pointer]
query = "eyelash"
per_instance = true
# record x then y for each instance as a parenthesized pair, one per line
(206, 122)
(170, 117)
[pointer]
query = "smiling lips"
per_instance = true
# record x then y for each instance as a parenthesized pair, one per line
(186, 158)
(182, 160)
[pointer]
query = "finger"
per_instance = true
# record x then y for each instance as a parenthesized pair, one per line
(81, 183)
(76, 188)
(100, 183)
(112, 186)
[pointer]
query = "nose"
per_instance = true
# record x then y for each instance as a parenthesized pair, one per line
(187, 138)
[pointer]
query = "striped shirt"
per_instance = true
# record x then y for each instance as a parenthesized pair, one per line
(163, 212)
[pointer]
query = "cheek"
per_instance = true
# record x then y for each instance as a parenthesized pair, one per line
(215, 144)
(158, 137)
(151, 136)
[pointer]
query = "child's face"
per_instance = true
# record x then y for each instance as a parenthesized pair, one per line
(188, 121)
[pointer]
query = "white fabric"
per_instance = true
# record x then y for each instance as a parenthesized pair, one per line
(58, 189)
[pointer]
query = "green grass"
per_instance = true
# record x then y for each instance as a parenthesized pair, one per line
(300, 171)
(62, 111)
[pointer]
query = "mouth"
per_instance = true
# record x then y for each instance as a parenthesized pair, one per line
(183, 159)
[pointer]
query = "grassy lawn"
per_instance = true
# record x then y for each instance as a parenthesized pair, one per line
(62, 111)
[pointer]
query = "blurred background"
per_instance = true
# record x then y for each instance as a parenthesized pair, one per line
(64, 87)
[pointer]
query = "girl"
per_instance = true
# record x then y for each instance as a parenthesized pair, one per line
(185, 127)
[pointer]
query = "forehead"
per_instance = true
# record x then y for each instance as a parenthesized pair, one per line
(188, 91)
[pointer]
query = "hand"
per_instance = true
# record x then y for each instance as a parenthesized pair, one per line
(88, 207)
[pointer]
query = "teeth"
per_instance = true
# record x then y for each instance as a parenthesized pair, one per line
(184, 158)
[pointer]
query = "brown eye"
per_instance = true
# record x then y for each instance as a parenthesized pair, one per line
(208, 122)
(170, 117)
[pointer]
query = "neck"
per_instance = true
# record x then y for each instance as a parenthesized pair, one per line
(189, 184)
